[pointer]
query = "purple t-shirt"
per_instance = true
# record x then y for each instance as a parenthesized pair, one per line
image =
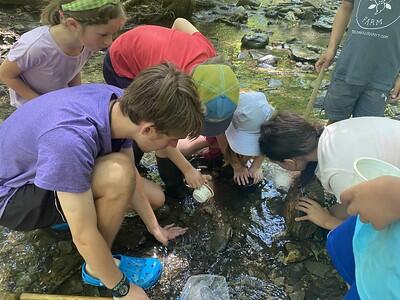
(44, 66)
(54, 140)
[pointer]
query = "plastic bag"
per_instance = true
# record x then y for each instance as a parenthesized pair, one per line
(205, 287)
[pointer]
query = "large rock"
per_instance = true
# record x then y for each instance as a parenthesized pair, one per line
(255, 40)
(302, 54)
(305, 229)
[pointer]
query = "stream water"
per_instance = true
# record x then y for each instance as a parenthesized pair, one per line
(240, 234)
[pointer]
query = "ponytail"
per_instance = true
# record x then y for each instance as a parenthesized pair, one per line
(51, 13)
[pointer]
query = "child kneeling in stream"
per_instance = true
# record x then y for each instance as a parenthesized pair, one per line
(188, 49)
(239, 144)
(67, 157)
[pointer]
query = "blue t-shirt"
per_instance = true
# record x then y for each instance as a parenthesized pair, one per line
(371, 53)
(377, 259)
(54, 140)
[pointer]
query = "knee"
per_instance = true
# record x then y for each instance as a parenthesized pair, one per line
(158, 199)
(120, 176)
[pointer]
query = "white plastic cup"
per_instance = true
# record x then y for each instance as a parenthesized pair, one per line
(367, 168)
(203, 193)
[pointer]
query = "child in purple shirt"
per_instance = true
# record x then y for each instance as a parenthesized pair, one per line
(68, 156)
(51, 57)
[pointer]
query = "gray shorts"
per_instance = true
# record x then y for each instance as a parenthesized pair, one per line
(344, 100)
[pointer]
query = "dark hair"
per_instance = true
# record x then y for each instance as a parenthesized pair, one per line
(287, 135)
(51, 14)
(166, 97)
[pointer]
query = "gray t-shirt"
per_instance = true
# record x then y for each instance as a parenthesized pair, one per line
(44, 66)
(371, 52)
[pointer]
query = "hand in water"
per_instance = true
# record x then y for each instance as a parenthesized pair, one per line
(256, 174)
(314, 212)
(169, 232)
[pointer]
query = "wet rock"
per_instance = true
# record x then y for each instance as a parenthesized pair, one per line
(297, 295)
(205, 4)
(248, 287)
(317, 268)
(220, 239)
(323, 24)
(290, 16)
(153, 11)
(227, 14)
(35, 261)
(305, 229)
(313, 3)
(255, 40)
(271, 13)
(269, 59)
(251, 3)
(308, 14)
(274, 83)
(301, 54)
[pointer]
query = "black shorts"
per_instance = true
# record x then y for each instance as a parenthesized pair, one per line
(111, 77)
(30, 208)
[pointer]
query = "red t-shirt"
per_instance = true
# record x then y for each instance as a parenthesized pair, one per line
(149, 45)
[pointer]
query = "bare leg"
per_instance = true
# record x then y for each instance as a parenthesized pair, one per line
(184, 25)
(113, 186)
(154, 194)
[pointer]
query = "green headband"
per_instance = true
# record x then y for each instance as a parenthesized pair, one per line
(82, 5)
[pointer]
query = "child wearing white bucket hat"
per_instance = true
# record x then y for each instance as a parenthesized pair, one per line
(242, 151)
(239, 144)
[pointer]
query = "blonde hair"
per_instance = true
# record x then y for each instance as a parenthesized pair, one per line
(166, 97)
(102, 15)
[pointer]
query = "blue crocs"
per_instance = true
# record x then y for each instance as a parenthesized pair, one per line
(143, 272)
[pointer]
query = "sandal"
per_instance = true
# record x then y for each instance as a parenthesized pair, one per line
(143, 272)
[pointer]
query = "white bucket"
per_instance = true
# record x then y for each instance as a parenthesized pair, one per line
(366, 168)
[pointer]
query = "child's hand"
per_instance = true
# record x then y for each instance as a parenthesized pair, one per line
(256, 173)
(194, 178)
(376, 201)
(395, 94)
(241, 175)
(314, 213)
(325, 60)
(169, 232)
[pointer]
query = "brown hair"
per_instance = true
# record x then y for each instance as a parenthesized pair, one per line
(166, 97)
(287, 135)
(231, 157)
(51, 14)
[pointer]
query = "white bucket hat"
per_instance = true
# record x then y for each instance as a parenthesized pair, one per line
(244, 131)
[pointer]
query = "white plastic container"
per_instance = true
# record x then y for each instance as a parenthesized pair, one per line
(366, 168)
